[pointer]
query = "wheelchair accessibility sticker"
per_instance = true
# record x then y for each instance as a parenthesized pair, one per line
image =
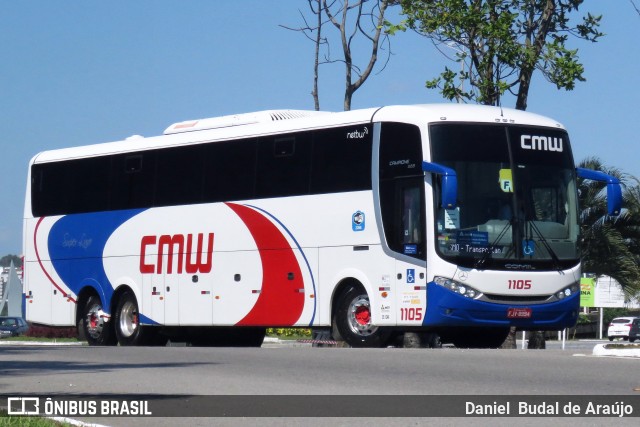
(411, 275)
(528, 247)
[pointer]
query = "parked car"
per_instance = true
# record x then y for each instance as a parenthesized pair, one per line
(12, 326)
(619, 328)
(634, 332)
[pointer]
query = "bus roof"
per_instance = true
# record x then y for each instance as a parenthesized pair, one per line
(275, 121)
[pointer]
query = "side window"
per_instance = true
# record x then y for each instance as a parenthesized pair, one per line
(132, 180)
(229, 171)
(89, 185)
(403, 214)
(48, 184)
(342, 159)
(179, 176)
(284, 164)
(73, 186)
(402, 197)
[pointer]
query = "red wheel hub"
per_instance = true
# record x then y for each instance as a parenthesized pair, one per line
(363, 315)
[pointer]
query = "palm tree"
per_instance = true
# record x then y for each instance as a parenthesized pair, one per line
(610, 245)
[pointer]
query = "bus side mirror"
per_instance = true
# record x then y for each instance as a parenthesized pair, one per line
(614, 191)
(449, 189)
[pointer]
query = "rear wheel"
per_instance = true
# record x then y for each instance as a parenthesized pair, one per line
(352, 320)
(127, 325)
(93, 325)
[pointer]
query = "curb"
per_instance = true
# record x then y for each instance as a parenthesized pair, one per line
(41, 343)
(601, 350)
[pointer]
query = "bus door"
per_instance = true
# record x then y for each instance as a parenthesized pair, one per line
(410, 243)
(402, 209)
(403, 214)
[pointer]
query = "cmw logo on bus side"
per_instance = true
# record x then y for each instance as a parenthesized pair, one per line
(542, 143)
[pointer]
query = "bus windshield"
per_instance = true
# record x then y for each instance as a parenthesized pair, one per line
(516, 196)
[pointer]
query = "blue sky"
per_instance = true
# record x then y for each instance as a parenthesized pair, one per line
(81, 72)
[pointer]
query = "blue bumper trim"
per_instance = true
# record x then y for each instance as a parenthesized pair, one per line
(446, 308)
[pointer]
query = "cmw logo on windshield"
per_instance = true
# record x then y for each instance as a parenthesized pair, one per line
(542, 143)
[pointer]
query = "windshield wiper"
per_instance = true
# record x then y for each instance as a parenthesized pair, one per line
(482, 260)
(545, 243)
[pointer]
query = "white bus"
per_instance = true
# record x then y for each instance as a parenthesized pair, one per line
(456, 219)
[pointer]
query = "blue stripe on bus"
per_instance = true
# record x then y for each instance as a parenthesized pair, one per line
(76, 247)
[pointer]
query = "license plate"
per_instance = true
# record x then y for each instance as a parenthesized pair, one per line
(519, 313)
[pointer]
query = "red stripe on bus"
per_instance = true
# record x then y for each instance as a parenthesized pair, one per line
(279, 302)
(35, 246)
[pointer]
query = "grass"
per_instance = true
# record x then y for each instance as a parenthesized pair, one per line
(13, 421)
(628, 346)
(289, 333)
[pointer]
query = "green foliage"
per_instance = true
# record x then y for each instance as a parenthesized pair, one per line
(583, 319)
(500, 43)
(13, 421)
(5, 261)
(289, 333)
(612, 313)
(610, 245)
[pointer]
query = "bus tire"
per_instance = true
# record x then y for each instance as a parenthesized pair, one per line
(421, 340)
(126, 322)
(92, 325)
(352, 320)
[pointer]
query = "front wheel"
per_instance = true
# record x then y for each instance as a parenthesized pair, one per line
(94, 325)
(127, 325)
(353, 322)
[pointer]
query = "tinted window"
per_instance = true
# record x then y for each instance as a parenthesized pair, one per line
(71, 187)
(283, 165)
(311, 162)
(132, 177)
(230, 171)
(402, 189)
(400, 150)
(342, 160)
(179, 175)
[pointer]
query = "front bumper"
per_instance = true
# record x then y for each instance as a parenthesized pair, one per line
(446, 308)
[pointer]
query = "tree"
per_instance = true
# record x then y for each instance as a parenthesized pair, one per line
(5, 261)
(350, 19)
(635, 6)
(500, 43)
(610, 245)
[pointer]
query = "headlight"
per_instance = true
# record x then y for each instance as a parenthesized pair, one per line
(459, 288)
(567, 292)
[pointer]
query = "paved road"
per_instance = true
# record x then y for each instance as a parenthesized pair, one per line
(302, 370)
